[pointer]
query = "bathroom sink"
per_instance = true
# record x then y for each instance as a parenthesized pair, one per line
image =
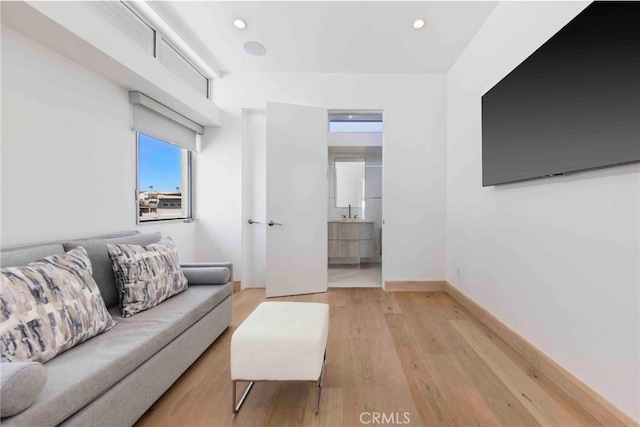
(350, 220)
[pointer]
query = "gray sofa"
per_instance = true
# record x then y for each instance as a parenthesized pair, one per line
(113, 378)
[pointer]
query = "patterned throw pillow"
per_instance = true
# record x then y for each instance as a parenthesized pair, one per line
(146, 275)
(49, 306)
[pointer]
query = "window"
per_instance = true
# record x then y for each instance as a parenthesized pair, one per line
(176, 62)
(355, 121)
(164, 180)
(166, 141)
(341, 126)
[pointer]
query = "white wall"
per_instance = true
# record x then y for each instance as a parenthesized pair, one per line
(68, 151)
(78, 32)
(355, 139)
(555, 259)
(374, 203)
(414, 165)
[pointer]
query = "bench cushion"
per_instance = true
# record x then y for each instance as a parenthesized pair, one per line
(281, 341)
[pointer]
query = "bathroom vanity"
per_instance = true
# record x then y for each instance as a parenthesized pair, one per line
(351, 238)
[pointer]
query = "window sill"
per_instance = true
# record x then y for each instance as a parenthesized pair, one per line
(167, 221)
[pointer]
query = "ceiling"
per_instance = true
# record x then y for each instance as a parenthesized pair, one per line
(328, 36)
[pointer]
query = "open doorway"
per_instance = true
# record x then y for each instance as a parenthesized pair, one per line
(355, 199)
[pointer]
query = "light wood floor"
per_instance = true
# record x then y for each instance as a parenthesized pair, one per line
(364, 275)
(414, 352)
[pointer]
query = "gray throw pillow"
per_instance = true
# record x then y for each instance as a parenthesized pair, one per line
(20, 386)
(146, 275)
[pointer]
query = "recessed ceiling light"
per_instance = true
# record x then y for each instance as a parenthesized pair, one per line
(418, 23)
(350, 117)
(239, 23)
(255, 48)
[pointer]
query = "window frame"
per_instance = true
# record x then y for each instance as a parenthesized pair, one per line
(189, 193)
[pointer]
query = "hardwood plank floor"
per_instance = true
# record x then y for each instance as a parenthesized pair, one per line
(417, 353)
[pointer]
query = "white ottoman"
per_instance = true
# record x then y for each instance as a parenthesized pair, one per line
(280, 341)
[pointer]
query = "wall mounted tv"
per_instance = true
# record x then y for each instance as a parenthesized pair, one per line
(573, 105)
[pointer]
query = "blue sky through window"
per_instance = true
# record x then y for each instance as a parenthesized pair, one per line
(160, 164)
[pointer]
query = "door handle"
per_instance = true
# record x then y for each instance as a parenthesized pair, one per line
(253, 222)
(271, 223)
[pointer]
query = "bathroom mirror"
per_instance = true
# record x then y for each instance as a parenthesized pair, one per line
(349, 182)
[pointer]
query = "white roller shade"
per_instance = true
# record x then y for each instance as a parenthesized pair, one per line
(154, 119)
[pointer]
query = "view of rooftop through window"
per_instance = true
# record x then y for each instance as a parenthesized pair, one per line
(162, 179)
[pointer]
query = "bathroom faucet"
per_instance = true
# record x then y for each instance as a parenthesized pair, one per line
(349, 210)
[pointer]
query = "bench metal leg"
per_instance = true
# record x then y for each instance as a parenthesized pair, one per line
(236, 405)
(320, 381)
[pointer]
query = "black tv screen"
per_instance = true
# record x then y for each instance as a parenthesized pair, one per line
(573, 105)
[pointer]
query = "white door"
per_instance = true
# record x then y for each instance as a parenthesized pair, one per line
(254, 198)
(297, 158)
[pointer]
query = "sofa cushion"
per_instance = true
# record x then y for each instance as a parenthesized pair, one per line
(80, 375)
(28, 254)
(20, 386)
(102, 270)
(49, 306)
(146, 275)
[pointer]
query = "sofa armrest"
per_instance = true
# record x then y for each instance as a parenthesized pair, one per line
(20, 385)
(211, 273)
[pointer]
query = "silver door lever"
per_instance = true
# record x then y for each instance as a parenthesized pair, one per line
(271, 223)
(253, 222)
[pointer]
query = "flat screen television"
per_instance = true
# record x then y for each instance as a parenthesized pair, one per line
(573, 105)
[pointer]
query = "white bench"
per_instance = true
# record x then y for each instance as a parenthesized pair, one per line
(280, 341)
